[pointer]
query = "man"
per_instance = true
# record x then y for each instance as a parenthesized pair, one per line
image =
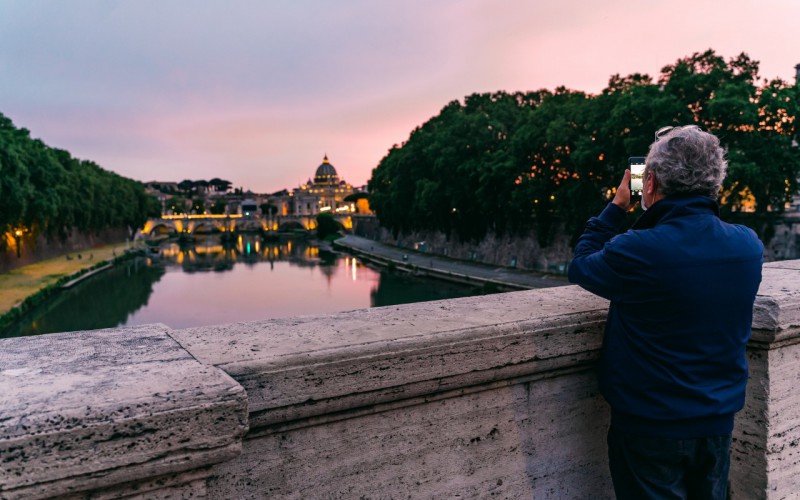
(682, 285)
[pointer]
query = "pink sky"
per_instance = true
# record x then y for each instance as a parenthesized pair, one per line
(257, 92)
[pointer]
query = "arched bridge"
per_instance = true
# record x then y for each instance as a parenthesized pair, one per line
(194, 224)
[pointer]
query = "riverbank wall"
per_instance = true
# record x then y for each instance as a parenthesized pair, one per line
(491, 396)
(35, 248)
(518, 252)
(491, 278)
(785, 242)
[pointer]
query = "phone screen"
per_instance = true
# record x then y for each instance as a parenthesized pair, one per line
(636, 165)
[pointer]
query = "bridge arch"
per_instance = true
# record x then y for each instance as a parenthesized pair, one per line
(249, 225)
(291, 225)
(161, 229)
(205, 227)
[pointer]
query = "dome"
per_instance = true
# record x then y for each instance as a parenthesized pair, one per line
(326, 174)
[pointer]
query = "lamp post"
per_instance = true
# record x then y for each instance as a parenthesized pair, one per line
(18, 240)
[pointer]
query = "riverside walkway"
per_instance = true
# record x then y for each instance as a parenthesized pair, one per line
(443, 267)
(22, 282)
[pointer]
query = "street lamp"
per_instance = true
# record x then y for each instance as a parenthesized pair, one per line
(18, 240)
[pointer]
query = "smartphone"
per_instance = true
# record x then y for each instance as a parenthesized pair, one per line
(636, 164)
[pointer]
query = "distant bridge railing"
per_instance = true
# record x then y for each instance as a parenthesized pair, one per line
(473, 397)
(192, 223)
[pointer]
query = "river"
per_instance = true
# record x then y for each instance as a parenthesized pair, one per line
(210, 283)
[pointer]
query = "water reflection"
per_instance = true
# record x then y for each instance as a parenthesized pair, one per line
(211, 281)
(214, 254)
(104, 301)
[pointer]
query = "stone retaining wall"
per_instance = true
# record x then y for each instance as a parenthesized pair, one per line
(522, 252)
(35, 248)
(474, 397)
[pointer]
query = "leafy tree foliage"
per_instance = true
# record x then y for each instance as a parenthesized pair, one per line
(548, 160)
(43, 189)
(268, 209)
(219, 184)
(219, 206)
(199, 205)
(326, 225)
(187, 186)
(178, 205)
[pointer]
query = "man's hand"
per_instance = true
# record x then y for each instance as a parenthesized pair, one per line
(622, 198)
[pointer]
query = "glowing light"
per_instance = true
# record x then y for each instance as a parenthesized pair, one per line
(354, 269)
(18, 233)
(202, 216)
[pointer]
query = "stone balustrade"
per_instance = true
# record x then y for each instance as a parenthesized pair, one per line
(475, 397)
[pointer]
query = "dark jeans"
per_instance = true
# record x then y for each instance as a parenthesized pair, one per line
(647, 467)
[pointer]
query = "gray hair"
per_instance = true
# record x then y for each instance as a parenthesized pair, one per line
(686, 160)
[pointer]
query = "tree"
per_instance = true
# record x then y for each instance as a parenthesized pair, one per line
(187, 186)
(177, 204)
(219, 185)
(545, 161)
(219, 206)
(268, 209)
(199, 205)
(326, 225)
(45, 190)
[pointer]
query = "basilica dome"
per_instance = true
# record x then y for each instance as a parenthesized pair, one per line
(326, 174)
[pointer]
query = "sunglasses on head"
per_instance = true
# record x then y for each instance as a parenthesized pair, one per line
(663, 131)
(666, 130)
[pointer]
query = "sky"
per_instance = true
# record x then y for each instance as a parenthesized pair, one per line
(257, 91)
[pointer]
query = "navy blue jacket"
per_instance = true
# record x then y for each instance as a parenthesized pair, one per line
(682, 285)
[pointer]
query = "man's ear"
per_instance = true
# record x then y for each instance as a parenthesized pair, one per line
(651, 184)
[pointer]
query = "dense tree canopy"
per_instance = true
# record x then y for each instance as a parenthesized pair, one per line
(46, 189)
(548, 160)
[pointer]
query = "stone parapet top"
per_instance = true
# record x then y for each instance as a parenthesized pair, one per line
(306, 366)
(89, 410)
(776, 313)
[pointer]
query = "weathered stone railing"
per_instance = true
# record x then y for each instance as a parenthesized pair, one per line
(476, 397)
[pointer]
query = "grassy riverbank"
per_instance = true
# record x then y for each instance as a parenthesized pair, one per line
(21, 287)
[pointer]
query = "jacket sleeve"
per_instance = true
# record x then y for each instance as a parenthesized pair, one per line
(595, 266)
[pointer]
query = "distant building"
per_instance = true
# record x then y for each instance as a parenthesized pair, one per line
(282, 201)
(249, 208)
(326, 193)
